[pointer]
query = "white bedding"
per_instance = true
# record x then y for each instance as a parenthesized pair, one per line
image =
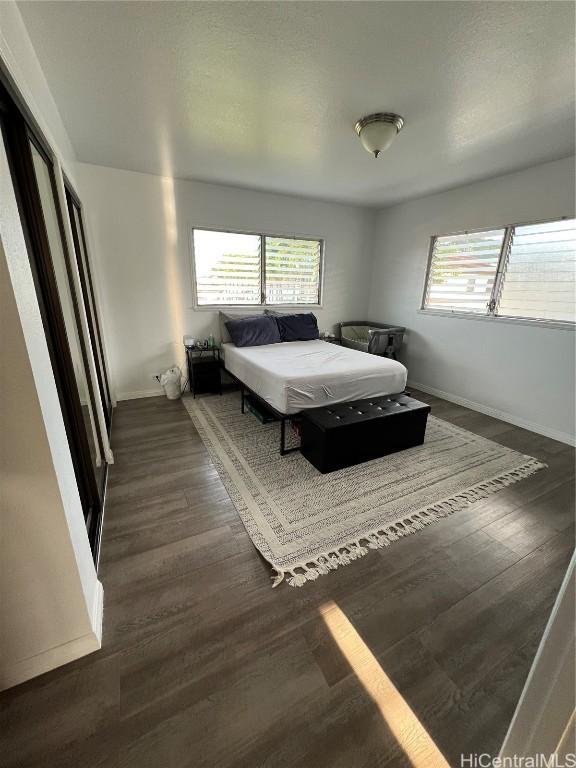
(295, 375)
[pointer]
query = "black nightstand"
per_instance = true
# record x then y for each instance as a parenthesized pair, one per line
(204, 370)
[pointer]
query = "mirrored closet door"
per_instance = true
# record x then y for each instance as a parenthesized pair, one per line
(60, 301)
(63, 271)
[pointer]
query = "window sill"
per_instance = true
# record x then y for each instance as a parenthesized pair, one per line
(552, 324)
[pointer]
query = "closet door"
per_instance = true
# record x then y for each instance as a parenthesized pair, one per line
(83, 264)
(70, 305)
(33, 178)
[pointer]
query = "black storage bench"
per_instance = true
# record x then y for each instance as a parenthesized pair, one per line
(338, 436)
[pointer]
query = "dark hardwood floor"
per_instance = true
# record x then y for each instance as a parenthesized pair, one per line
(203, 664)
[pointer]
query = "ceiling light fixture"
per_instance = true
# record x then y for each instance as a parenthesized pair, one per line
(378, 131)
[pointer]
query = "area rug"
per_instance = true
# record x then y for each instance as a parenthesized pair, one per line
(307, 524)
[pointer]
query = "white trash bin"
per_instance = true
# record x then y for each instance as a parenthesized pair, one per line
(170, 380)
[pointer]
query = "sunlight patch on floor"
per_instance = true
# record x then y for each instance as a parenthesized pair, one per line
(406, 728)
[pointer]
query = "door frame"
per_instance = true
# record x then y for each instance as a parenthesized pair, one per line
(544, 718)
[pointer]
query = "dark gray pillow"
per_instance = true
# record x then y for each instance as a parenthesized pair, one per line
(253, 331)
(238, 315)
(303, 327)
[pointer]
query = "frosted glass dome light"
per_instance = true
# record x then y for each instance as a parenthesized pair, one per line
(378, 131)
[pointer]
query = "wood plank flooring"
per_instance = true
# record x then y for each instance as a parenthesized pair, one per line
(203, 664)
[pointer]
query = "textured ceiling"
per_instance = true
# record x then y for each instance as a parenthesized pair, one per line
(265, 94)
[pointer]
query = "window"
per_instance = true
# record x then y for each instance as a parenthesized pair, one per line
(235, 269)
(522, 271)
(540, 272)
(463, 271)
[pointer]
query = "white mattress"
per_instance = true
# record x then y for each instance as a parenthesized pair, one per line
(296, 375)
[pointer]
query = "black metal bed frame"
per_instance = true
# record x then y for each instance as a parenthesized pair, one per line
(281, 417)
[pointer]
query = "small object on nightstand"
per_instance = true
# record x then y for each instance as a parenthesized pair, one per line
(330, 337)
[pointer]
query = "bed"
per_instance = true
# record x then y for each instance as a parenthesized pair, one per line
(293, 376)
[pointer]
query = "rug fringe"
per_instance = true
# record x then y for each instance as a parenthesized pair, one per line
(383, 536)
(278, 578)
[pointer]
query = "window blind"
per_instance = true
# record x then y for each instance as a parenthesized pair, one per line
(292, 271)
(227, 268)
(463, 270)
(540, 272)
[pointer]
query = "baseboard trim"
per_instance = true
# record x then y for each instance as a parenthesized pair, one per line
(137, 394)
(553, 434)
(51, 658)
(562, 437)
(98, 612)
(26, 669)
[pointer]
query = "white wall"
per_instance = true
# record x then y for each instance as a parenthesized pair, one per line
(141, 225)
(51, 602)
(520, 373)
